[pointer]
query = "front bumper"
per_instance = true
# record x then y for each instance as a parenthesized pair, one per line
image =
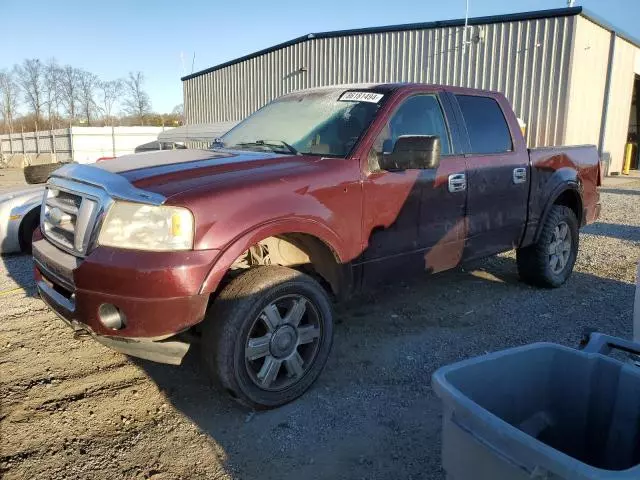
(170, 351)
(158, 294)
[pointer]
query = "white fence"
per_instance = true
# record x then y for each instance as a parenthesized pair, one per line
(78, 144)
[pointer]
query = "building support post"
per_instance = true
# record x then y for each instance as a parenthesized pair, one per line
(605, 101)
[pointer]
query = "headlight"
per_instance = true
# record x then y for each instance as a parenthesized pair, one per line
(147, 227)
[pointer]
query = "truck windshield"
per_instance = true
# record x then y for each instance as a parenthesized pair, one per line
(326, 122)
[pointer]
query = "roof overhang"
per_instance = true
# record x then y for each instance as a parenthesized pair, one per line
(460, 22)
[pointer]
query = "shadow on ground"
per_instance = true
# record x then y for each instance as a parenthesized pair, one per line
(620, 191)
(613, 230)
(19, 269)
(372, 414)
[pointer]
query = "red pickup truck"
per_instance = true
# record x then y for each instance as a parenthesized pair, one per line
(243, 247)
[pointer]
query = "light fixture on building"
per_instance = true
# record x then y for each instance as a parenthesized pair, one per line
(478, 35)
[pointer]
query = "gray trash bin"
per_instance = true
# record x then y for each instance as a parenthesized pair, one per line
(542, 411)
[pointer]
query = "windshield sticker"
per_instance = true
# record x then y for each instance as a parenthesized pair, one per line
(370, 97)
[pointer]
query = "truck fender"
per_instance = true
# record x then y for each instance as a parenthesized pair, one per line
(562, 181)
(13, 217)
(27, 208)
(241, 244)
(27, 211)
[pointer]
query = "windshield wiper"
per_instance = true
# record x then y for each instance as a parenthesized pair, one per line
(269, 143)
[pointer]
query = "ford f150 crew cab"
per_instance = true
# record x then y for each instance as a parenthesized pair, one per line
(242, 247)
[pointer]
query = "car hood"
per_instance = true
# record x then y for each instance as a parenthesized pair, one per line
(170, 172)
(23, 192)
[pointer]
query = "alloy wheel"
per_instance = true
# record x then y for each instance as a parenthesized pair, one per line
(560, 248)
(283, 342)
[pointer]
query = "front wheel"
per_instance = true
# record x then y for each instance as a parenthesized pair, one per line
(28, 226)
(549, 262)
(268, 335)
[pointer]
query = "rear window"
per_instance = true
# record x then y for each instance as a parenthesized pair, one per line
(486, 125)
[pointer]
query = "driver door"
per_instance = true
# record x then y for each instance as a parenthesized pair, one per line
(418, 223)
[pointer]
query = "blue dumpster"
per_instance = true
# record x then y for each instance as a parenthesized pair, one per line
(542, 411)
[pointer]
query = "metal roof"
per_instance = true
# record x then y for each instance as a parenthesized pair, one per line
(511, 17)
(598, 20)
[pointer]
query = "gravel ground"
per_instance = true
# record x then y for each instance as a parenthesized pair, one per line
(74, 409)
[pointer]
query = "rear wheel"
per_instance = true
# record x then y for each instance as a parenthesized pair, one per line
(268, 335)
(549, 262)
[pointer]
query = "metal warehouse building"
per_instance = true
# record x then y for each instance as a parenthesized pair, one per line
(570, 76)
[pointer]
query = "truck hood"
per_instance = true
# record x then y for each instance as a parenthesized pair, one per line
(170, 172)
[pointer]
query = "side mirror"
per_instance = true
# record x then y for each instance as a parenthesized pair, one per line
(413, 151)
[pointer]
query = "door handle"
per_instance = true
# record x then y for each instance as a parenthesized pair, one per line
(519, 175)
(457, 182)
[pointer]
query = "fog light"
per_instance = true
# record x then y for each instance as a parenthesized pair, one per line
(111, 317)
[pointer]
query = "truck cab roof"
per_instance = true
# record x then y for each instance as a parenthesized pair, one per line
(392, 87)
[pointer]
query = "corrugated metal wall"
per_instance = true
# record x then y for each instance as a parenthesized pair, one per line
(588, 75)
(526, 60)
(587, 79)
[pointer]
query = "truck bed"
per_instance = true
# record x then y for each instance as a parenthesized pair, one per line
(552, 167)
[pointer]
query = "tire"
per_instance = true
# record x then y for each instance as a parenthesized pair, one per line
(28, 225)
(240, 325)
(536, 264)
(40, 173)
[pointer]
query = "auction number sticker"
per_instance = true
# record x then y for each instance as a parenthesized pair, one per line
(370, 97)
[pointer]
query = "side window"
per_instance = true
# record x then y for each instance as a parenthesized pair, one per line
(419, 115)
(486, 125)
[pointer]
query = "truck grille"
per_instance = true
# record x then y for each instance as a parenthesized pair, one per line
(68, 219)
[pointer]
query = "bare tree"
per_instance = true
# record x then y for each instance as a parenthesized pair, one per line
(177, 114)
(9, 92)
(178, 110)
(69, 89)
(49, 94)
(136, 101)
(52, 90)
(31, 78)
(108, 93)
(87, 82)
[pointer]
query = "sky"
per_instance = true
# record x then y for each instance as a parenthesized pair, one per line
(169, 39)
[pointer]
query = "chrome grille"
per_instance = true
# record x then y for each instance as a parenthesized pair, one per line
(75, 201)
(69, 217)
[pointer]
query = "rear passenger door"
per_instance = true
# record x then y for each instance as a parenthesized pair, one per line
(497, 177)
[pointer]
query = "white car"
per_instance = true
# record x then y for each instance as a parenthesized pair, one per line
(19, 217)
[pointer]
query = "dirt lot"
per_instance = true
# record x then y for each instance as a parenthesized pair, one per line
(74, 409)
